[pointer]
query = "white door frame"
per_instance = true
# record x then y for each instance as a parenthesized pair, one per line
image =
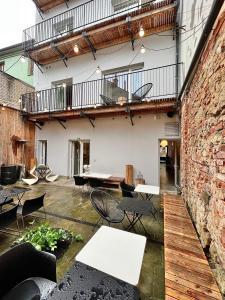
(71, 155)
(175, 139)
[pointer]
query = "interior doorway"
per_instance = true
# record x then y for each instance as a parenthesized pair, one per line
(169, 165)
(79, 156)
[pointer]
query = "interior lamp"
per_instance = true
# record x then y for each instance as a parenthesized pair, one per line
(164, 143)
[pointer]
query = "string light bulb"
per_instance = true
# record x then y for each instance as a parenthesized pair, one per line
(98, 70)
(76, 49)
(3, 106)
(22, 59)
(143, 50)
(141, 31)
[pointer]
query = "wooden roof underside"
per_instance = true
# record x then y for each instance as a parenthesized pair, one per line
(45, 5)
(107, 34)
(155, 106)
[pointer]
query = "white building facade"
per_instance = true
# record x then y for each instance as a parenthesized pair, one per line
(110, 104)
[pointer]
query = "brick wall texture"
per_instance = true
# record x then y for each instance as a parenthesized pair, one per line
(203, 147)
(11, 89)
(12, 125)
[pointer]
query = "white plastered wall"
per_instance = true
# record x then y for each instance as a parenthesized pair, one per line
(114, 143)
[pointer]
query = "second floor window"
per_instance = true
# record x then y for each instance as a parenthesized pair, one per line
(2, 66)
(63, 26)
(123, 4)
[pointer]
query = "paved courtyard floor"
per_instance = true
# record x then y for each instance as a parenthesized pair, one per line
(68, 207)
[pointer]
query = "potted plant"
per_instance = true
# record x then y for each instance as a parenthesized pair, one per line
(46, 238)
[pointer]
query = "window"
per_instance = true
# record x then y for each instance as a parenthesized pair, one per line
(123, 4)
(2, 66)
(63, 26)
(42, 152)
(122, 82)
(30, 70)
(63, 93)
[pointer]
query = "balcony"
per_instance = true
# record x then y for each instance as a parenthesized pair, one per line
(45, 5)
(112, 95)
(95, 25)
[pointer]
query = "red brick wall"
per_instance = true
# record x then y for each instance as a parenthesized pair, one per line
(11, 89)
(203, 144)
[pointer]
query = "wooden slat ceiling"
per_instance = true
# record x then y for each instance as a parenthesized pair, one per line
(45, 5)
(109, 33)
(155, 106)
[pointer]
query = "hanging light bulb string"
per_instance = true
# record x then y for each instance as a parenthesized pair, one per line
(21, 56)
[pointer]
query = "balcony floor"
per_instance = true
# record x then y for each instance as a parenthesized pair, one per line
(154, 106)
(105, 33)
(73, 211)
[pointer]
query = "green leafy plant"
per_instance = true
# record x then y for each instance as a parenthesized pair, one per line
(46, 238)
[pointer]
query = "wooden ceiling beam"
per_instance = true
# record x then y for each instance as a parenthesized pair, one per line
(50, 4)
(107, 44)
(164, 105)
(149, 14)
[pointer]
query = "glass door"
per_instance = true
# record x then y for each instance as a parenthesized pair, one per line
(79, 156)
(42, 152)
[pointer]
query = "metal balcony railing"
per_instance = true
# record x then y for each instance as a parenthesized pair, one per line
(79, 18)
(110, 90)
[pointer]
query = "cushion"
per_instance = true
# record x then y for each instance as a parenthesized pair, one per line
(34, 288)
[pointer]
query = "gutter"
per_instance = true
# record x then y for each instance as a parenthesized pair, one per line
(177, 52)
(214, 12)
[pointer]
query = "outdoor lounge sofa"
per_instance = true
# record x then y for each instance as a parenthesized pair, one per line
(26, 273)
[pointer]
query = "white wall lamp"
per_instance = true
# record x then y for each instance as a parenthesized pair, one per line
(143, 50)
(22, 59)
(98, 70)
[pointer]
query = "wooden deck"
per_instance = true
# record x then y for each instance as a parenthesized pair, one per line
(187, 272)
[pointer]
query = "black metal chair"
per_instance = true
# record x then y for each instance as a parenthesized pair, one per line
(26, 273)
(31, 206)
(106, 206)
(80, 181)
(4, 201)
(127, 190)
(7, 218)
(95, 182)
(106, 100)
(142, 92)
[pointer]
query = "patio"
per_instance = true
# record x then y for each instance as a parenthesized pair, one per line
(68, 208)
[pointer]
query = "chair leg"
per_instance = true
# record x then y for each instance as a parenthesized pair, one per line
(96, 225)
(45, 212)
(22, 221)
(17, 223)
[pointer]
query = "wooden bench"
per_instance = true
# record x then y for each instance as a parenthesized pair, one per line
(113, 181)
(187, 272)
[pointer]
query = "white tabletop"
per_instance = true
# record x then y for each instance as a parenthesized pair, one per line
(96, 175)
(147, 189)
(116, 252)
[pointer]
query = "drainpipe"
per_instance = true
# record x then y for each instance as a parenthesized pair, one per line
(214, 12)
(177, 32)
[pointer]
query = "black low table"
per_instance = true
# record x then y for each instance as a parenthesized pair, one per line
(42, 171)
(138, 208)
(85, 283)
(7, 194)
